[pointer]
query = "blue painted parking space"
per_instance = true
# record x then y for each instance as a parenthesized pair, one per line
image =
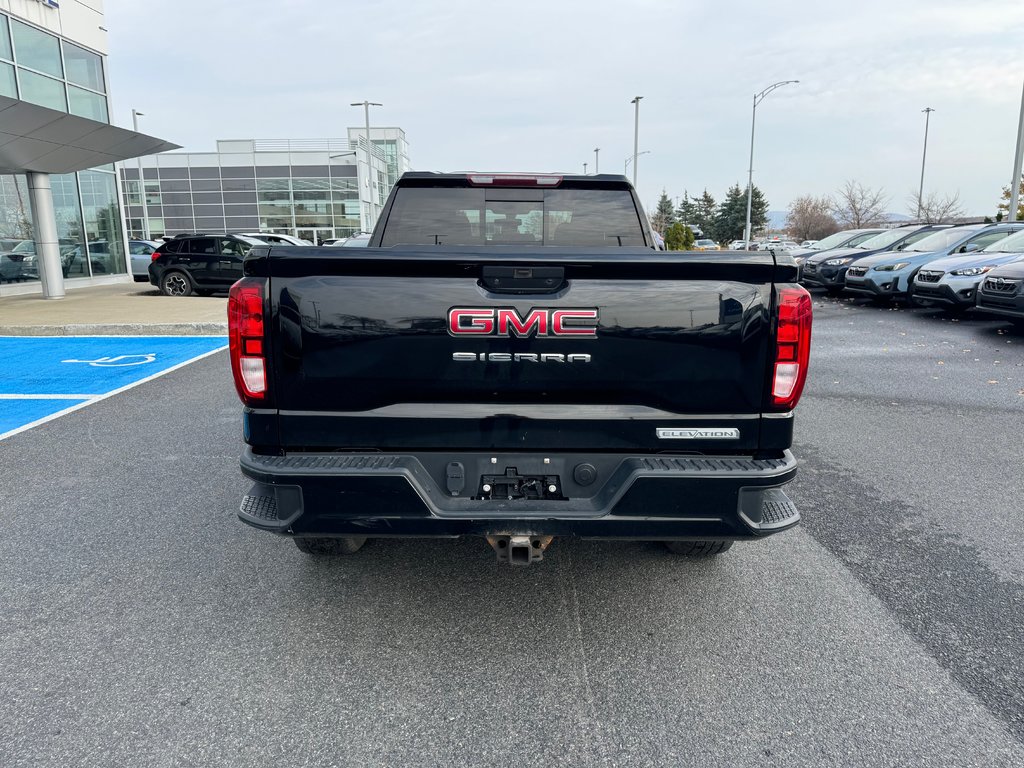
(44, 377)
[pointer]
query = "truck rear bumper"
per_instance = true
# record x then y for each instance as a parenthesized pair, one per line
(620, 496)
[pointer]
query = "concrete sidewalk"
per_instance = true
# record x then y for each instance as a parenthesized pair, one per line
(123, 309)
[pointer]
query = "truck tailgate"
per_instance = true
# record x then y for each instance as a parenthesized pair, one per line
(415, 349)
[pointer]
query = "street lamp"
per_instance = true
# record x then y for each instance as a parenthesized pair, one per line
(371, 217)
(625, 165)
(636, 135)
(584, 169)
(597, 167)
(758, 98)
(920, 190)
(142, 184)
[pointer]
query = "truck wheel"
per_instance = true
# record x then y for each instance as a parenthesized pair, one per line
(698, 548)
(324, 546)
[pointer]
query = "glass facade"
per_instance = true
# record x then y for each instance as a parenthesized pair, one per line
(313, 202)
(39, 67)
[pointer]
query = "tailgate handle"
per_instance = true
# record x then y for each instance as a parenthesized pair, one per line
(523, 279)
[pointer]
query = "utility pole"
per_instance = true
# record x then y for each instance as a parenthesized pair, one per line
(597, 166)
(142, 184)
(1017, 161)
(371, 213)
(920, 190)
(636, 135)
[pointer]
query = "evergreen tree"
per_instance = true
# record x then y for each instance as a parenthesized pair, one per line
(704, 210)
(731, 216)
(679, 237)
(686, 210)
(758, 210)
(664, 215)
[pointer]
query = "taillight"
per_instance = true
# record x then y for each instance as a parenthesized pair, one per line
(792, 347)
(246, 341)
(155, 255)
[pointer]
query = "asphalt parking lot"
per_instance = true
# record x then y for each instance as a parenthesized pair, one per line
(143, 625)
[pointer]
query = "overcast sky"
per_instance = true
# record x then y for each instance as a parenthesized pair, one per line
(538, 84)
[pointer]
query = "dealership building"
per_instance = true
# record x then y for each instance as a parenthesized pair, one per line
(310, 188)
(60, 216)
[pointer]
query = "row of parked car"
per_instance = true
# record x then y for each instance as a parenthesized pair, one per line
(203, 263)
(974, 266)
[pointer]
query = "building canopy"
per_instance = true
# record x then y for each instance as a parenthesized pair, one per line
(42, 140)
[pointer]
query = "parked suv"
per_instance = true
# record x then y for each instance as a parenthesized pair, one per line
(1002, 292)
(828, 269)
(199, 263)
(890, 275)
(953, 282)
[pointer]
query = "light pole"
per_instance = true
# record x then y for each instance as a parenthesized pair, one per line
(625, 165)
(920, 190)
(142, 184)
(758, 98)
(1017, 161)
(584, 169)
(597, 166)
(371, 216)
(636, 135)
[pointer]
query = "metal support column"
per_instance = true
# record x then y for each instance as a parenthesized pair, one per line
(44, 224)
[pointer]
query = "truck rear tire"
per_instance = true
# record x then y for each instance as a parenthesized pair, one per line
(329, 547)
(698, 548)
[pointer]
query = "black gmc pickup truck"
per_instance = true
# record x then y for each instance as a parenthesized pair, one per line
(512, 357)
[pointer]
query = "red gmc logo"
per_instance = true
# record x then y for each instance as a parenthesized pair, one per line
(506, 321)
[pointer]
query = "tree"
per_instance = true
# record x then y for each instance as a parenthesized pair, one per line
(731, 217)
(664, 214)
(679, 237)
(1004, 207)
(704, 209)
(686, 210)
(809, 218)
(933, 209)
(856, 206)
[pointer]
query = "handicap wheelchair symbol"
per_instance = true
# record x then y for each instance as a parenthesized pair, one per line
(120, 361)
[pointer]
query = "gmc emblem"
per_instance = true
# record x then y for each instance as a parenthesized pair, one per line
(504, 322)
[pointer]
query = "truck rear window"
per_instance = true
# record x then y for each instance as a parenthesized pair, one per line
(461, 216)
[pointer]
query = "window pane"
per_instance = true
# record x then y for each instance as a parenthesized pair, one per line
(8, 85)
(5, 40)
(36, 49)
(44, 91)
(87, 104)
(102, 217)
(68, 214)
(83, 67)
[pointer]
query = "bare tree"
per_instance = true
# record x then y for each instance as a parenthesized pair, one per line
(809, 218)
(855, 205)
(935, 209)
